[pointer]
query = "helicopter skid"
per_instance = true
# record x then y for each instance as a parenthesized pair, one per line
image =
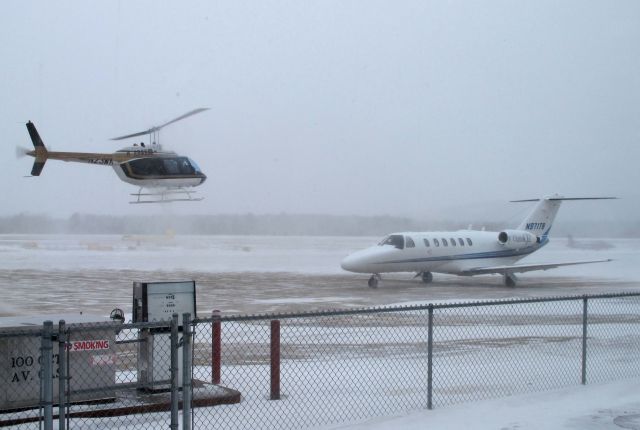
(166, 201)
(165, 196)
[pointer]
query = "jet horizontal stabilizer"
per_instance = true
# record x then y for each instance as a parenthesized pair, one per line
(564, 198)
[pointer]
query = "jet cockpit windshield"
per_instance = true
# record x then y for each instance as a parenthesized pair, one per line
(396, 240)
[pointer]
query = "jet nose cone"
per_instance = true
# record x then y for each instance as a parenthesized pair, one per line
(354, 263)
(363, 261)
(347, 263)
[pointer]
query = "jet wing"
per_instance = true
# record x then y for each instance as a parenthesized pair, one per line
(520, 268)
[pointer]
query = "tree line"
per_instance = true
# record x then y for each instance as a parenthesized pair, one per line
(273, 224)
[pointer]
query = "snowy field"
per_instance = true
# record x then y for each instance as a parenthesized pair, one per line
(238, 275)
(94, 274)
(345, 369)
(611, 406)
(228, 254)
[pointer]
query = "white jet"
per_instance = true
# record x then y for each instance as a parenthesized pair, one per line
(465, 252)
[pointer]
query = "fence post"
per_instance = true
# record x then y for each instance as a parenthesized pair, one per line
(175, 393)
(186, 371)
(62, 375)
(275, 360)
(216, 346)
(46, 377)
(430, 359)
(584, 339)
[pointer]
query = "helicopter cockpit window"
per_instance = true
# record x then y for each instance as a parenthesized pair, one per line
(185, 167)
(165, 166)
(171, 166)
(396, 240)
(194, 166)
(147, 167)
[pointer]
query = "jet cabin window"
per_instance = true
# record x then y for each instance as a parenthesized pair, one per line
(444, 242)
(426, 242)
(436, 242)
(410, 243)
(460, 241)
(453, 242)
(396, 240)
(469, 242)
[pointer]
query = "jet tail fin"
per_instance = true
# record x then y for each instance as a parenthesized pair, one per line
(541, 218)
(40, 151)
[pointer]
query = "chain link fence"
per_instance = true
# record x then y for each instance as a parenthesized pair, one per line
(313, 369)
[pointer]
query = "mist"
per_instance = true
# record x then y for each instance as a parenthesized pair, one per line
(282, 225)
(424, 110)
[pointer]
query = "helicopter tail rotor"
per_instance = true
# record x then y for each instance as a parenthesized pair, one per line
(21, 152)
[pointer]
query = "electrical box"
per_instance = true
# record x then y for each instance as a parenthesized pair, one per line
(158, 301)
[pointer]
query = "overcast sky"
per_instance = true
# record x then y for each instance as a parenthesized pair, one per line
(334, 107)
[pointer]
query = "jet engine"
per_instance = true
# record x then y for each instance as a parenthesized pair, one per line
(516, 238)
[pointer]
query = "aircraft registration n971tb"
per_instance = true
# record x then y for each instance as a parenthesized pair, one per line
(465, 252)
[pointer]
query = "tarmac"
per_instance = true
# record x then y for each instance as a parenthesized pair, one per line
(97, 292)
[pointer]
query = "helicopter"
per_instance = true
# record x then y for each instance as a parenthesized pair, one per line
(165, 175)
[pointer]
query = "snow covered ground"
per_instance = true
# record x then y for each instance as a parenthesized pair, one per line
(298, 254)
(610, 406)
(268, 273)
(93, 274)
(210, 254)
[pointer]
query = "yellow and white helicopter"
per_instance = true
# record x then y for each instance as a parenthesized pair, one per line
(167, 176)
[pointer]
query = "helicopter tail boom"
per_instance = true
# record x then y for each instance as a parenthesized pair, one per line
(40, 151)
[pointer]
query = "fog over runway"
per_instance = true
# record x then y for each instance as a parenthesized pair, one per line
(93, 274)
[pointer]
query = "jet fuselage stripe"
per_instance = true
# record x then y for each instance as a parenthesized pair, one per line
(480, 255)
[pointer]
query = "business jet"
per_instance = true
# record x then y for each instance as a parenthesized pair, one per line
(465, 252)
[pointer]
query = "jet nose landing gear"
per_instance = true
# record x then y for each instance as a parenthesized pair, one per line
(373, 281)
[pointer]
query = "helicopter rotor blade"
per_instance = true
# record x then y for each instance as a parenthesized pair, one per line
(142, 133)
(158, 127)
(188, 114)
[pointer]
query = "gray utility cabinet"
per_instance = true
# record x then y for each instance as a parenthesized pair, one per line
(91, 354)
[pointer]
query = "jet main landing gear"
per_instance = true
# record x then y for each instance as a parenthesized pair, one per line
(427, 277)
(510, 279)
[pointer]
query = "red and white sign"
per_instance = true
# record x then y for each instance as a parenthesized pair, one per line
(89, 345)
